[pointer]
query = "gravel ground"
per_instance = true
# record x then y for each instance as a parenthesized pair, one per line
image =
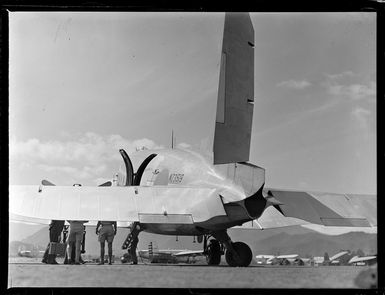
(36, 274)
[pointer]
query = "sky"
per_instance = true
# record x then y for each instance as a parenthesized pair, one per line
(83, 85)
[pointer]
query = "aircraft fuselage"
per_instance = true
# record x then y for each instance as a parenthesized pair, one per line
(234, 193)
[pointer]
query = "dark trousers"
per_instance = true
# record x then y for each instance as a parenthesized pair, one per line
(55, 229)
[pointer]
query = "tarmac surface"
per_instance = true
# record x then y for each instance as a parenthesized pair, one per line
(35, 274)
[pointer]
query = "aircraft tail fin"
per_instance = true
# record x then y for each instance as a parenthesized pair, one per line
(236, 91)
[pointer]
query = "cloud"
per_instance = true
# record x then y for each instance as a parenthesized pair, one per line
(342, 75)
(294, 84)
(88, 157)
(82, 173)
(362, 116)
(183, 145)
(303, 184)
(349, 85)
(353, 91)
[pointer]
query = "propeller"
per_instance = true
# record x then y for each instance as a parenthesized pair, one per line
(47, 183)
(108, 183)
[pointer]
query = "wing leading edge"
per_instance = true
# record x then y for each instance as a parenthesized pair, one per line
(157, 204)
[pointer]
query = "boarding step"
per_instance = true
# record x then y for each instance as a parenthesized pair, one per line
(134, 232)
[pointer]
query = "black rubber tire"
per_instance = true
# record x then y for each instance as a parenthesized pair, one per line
(213, 256)
(244, 253)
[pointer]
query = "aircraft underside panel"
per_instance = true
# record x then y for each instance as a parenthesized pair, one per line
(172, 229)
(180, 204)
(167, 219)
(271, 218)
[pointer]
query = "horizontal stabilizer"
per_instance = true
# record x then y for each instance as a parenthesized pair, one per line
(327, 209)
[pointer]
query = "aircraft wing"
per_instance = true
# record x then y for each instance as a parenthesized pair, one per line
(360, 259)
(182, 205)
(287, 256)
(338, 255)
(189, 253)
(327, 209)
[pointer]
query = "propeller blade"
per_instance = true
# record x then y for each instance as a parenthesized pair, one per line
(108, 183)
(47, 183)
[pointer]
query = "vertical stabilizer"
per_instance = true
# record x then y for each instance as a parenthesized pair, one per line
(236, 91)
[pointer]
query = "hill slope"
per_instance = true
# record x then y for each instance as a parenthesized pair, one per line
(316, 244)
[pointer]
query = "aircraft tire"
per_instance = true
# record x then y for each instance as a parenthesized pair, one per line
(244, 253)
(213, 256)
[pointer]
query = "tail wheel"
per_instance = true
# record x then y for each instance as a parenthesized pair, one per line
(243, 257)
(213, 256)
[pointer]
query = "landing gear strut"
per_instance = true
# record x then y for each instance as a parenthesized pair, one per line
(131, 243)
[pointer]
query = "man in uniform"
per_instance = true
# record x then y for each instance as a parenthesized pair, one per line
(67, 260)
(107, 232)
(55, 229)
(75, 238)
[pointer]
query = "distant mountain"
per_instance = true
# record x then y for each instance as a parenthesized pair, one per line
(41, 238)
(297, 240)
(251, 237)
(20, 231)
(316, 244)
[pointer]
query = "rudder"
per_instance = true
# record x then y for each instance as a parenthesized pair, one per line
(236, 91)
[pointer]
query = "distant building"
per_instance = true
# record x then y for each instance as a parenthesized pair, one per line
(318, 260)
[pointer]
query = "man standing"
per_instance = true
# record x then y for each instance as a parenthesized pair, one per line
(55, 229)
(107, 232)
(67, 259)
(75, 238)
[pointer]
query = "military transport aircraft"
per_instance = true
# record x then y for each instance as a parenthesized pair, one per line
(182, 192)
(365, 260)
(155, 255)
(273, 259)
